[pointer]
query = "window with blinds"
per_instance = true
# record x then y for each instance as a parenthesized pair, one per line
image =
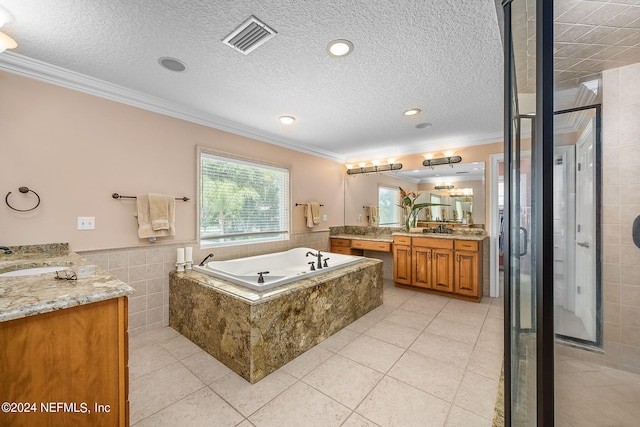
(242, 201)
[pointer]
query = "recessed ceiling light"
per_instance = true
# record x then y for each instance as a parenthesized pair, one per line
(287, 120)
(172, 64)
(339, 48)
(412, 112)
(423, 125)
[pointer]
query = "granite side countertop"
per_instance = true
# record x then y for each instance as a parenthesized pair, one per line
(453, 235)
(24, 296)
(389, 238)
(372, 238)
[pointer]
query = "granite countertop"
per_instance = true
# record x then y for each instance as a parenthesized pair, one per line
(25, 296)
(454, 235)
(389, 238)
(369, 237)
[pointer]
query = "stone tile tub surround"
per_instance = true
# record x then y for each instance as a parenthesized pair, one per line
(24, 296)
(255, 333)
(146, 269)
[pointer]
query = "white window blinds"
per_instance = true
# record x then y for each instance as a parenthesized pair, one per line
(242, 201)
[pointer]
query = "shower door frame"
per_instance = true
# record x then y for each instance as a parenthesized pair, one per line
(542, 153)
(597, 233)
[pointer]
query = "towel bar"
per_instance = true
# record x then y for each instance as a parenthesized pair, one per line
(304, 204)
(117, 196)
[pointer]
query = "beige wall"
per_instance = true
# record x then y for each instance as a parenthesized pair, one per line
(76, 149)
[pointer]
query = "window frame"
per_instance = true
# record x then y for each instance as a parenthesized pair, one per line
(236, 158)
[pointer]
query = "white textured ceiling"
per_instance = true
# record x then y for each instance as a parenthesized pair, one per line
(444, 57)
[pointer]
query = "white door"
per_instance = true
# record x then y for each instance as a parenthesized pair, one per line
(585, 248)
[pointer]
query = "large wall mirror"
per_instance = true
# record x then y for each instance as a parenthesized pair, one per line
(461, 186)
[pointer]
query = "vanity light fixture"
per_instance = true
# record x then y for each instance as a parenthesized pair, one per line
(363, 169)
(6, 42)
(443, 187)
(287, 120)
(430, 163)
(412, 112)
(339, 48)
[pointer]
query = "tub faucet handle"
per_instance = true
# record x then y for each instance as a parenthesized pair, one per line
(325, 262)
(260, 278)
(313, 265)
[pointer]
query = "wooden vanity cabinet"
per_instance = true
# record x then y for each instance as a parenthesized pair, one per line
(343, 246)
(445, 266)
(432, 263)
(357, 247)
(402, 256)
(467, 269)
(72, 364)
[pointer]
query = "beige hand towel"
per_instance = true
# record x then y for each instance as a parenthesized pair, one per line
(309, 215)
(373, 215)
(315, 212)
(159, 211)
(143, 213)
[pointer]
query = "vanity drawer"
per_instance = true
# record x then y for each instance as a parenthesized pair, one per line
(341, 250)
(466, 245)
(402, 240)
(372, 246)
(341, 242)
(433, 243)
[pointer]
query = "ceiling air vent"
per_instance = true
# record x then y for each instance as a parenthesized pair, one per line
(249, 35)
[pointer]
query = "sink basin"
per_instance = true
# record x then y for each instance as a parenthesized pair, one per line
(34, 270)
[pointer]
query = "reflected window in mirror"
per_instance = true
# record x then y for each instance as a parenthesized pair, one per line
(389, 213)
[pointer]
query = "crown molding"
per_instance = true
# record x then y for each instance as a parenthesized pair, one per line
(34, 69)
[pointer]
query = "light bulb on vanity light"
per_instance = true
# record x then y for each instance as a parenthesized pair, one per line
(6, 42)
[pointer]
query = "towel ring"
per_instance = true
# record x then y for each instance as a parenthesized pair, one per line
(23, 190)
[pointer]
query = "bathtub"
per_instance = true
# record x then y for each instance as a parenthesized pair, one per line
(282, 267)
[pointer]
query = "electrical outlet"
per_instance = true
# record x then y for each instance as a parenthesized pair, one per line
(86, 223)
(324, 217)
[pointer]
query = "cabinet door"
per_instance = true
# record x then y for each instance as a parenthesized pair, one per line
(467, 273)
(402, 264)
(442, 270)
(421, 267)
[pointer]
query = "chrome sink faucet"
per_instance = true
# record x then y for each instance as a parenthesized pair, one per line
(6, 250)
(319, 255)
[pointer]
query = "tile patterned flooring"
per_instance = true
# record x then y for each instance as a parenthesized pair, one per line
(418, 359)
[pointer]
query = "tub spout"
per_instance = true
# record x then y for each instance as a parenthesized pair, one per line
(205, 259)
(6, 250)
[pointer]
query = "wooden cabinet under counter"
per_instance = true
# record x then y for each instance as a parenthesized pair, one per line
(445, 266)
(402, 260)
(356, 247)
(76, 357)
